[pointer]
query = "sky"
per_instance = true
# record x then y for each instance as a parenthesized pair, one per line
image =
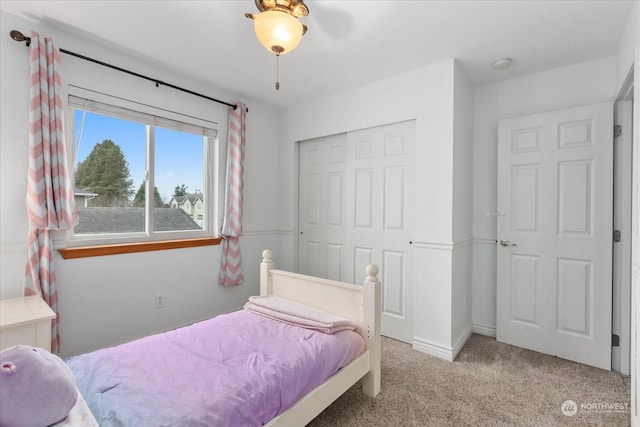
(179, 156)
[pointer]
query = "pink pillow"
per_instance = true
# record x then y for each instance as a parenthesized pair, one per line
(36, 387)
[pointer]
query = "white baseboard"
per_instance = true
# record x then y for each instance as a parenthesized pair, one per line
(432, 349)
(438, 350)
(489, 331)
(462, 339)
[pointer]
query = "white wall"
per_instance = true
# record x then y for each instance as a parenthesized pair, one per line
(426, 95)
(571, 86)
(628, 41)
(462, 208)
(107, 300)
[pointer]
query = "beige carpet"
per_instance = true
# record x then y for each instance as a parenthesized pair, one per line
(489, 384)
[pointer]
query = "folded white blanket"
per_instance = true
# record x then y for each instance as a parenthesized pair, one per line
(298, 314)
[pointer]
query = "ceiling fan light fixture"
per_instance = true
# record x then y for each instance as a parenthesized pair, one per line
(296, 8)
(277, 26)
(278, 31)
(299, 10)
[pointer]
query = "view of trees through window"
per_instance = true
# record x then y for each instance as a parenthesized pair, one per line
(113, 166)
(105, 172)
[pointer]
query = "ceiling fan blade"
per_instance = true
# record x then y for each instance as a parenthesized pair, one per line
(332, 20)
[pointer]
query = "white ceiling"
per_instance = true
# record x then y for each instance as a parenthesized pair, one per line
(349, 43)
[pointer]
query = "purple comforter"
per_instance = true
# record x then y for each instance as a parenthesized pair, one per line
(237, 369)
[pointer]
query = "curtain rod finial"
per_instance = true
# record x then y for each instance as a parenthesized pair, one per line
(235, 107)
(19, 37)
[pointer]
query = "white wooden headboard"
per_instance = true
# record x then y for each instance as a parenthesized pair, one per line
(360, 303)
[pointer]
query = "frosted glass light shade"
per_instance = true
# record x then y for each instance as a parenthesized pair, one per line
(278, 31)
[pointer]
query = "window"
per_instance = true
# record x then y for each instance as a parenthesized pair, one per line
(140, 176)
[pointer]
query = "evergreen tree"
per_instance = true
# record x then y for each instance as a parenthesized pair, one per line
(105, 171)
(138, 200)
(180, 190)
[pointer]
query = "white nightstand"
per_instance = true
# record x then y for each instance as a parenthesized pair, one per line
(25, 320)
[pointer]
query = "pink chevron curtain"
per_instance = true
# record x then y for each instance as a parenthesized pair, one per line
(50, 203)
(230, 264)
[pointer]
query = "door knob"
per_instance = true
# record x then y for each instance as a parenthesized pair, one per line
(506, 243)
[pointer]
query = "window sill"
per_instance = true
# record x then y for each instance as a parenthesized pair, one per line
(128, 248)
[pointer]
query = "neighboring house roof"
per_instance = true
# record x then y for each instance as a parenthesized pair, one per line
(125, 220)
(191, 197)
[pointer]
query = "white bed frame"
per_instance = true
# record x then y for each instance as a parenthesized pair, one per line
(358, 303)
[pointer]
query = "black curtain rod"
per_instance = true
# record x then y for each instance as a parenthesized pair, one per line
(19, 37)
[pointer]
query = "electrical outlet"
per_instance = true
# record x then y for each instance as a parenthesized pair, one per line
(160, 301)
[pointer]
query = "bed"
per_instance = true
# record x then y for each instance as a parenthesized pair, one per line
(291, 389)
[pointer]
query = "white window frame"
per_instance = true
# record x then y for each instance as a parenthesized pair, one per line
(100, 103)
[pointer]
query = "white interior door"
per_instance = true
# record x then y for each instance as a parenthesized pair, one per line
(356, 207)
(555, 183)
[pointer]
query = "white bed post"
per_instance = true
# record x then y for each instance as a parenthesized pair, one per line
(372, 313)
(265, 272)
